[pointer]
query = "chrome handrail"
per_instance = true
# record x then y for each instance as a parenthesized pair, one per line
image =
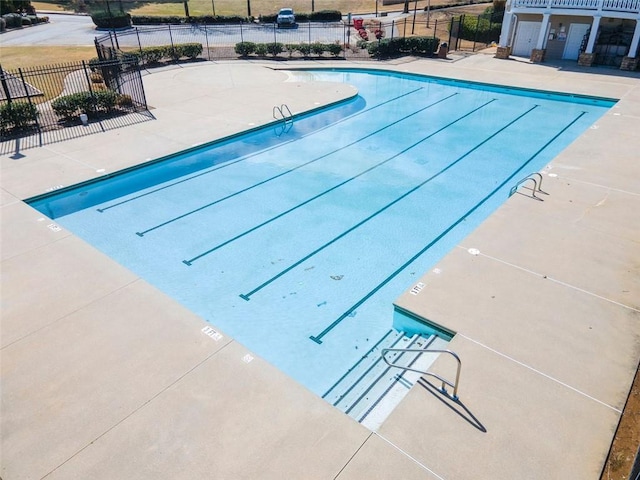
(444, 381)
(537, 185)
(286, 119)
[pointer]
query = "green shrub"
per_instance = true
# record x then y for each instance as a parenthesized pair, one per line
(261, 49)
(67, 106)
(14, 20)
(17, 115)
(291, 48)
(25, 21)
(334, 49)
(275, 48)
(159, 20)
(152, 54)
(245, 49)
(394, 47)
(190, 50)
(318, 48)
(108, 20)
(482, 28)
(3, 24)
(325, 16)
(304, 49)
(105, 101)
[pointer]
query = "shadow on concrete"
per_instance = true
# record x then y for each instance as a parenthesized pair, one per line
(454, 404)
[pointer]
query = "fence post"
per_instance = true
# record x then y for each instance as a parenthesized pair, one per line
(206, 38)
(435, 28)
(115, 34)
(139, 44)
(275, 38)
(393, 24)
(241, 37)
(172, 46)
(404, 31)
(5, 87)
(451, 47)
(309, 33)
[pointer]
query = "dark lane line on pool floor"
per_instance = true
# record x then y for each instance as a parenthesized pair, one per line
(247, 296)
(260, 152)
(286, 172)
(315, 197)
(318, 338)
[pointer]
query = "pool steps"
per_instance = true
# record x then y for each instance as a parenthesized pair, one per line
(370, 389)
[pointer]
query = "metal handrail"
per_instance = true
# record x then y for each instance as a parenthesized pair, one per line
(281, 110)
(444, 381)
(286, 119)
(537, 185)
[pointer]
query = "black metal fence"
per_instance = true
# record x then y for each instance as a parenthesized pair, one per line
(218, 41)
(56, 102)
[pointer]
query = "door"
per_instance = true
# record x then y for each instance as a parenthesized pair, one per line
(526, 38)
(576, 34)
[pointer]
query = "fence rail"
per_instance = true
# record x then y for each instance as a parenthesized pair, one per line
(49, 101)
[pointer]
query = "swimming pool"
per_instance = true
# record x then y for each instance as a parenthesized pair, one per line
(297, 242)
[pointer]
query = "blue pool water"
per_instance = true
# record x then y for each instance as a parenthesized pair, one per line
(297, 241)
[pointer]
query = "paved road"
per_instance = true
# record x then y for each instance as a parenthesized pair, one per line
(62, 30)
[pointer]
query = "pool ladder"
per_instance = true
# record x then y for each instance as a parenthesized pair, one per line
(445, 382)
(283, 113)
(536, 178)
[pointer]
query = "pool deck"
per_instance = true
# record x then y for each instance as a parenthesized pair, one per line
(103, 376)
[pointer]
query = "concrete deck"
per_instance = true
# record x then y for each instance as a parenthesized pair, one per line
(105, 377)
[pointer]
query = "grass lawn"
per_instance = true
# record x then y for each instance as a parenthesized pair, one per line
(25, 57)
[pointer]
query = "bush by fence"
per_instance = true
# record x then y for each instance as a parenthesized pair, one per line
(46, 98)
(244, 49)
(107, 20)
(69, 107)
(483, 29)
(17, 116)
(395, 47)
(151, 55)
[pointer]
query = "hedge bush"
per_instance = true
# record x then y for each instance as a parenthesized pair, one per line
(484, 28)
(394, 47)
(245, 49)
(151, 55)
(108, 20)
(275, 48)
(69, 107)
(14, 20)
(17, 115)
(175, 20)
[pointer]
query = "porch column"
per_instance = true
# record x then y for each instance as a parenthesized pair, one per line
(505, 33)
(593, 34)
(542, 36)
(631, 61)
(504, 45)
(635, 40)
(587, 57)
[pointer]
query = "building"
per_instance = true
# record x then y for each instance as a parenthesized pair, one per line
(593, 32)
